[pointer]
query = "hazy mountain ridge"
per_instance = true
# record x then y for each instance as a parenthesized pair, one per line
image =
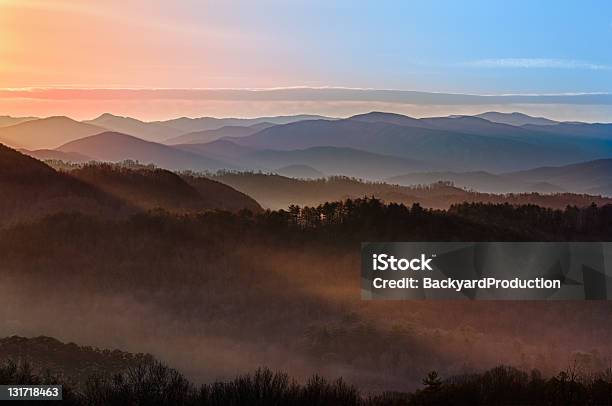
(188, 125)
(326, 159)
(220, 149)
(335, 161)
(116, 147)
(576, 130)
(480, 180)
(147, 131)
(55, 155)
(438, 147)
(279, 192)
(206, 136)
(585, 177)
(591, 177)
(299, 172)
(515, 118)
(46, 133)
(6, 121)
(374, 146)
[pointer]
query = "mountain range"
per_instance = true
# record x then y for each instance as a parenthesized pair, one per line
(31, 189)
(46, 133)
(592, 177)
(6, 121)
(154, 131)
(515, 118)
(475, 144)
(114, 147)
(274, 191)
(491, 152)
(187, 125)
(205, 136)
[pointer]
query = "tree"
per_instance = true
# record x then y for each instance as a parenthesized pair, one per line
(432, 382)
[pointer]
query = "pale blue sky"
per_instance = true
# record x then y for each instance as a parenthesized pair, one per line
(462, 46)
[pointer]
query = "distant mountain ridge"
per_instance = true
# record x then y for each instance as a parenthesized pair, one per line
(278, 192)
(199, 137)
(127, 125)
(479, 180)
(477, 145)
(115, 147)
(55, 155)
(299, 172)
(472, 151)
(6, 121)
(324, 159)
(593, 177)
(515, 118)
(187, 125)
(46, 133)
(335, 161)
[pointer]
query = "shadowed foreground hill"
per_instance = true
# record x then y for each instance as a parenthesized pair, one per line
(31, 189)
(72, 362)
(151, 188)
(153, 383)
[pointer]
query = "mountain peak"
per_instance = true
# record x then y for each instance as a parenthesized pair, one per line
(515, 118)
(388, 118)
(105, 116)
(58, 119)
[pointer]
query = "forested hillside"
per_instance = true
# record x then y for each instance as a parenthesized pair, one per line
(278, 192)
(279, 288)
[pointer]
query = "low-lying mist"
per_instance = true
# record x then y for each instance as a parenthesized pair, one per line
(218, 294)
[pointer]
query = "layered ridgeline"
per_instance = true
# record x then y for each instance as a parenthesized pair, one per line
(46, 133)
(32, 189)
(186, 129)
(468, 150)
(275, 191)
(114, 147)
(456, 143)
(592, 177)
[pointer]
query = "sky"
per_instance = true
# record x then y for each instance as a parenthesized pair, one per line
(457, 47)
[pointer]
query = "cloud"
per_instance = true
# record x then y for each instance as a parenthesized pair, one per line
(301, 94)
(536, 63)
